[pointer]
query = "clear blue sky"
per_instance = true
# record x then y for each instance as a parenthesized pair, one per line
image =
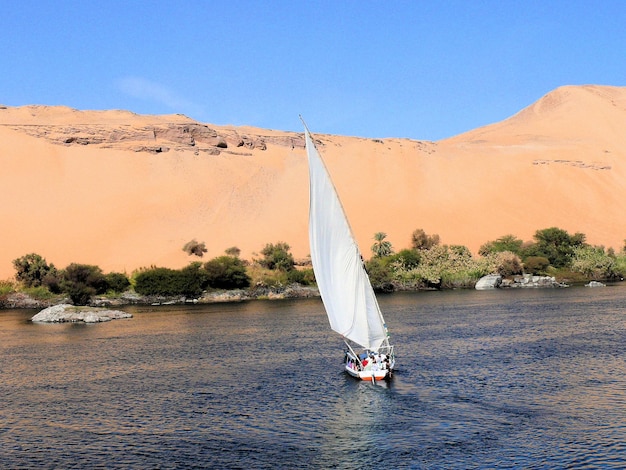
(418, 69)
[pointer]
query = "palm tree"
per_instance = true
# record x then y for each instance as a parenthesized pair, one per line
(382, 247)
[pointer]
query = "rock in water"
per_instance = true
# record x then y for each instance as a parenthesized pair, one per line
(70, 313)
(489, 282)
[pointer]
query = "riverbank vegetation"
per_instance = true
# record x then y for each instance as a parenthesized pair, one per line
(427, 264)
(552, 252)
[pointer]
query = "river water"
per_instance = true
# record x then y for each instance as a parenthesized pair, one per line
(496, 379)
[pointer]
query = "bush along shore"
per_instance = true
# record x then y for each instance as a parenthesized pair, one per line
(24, 300)
(17, 300)
(554, 259)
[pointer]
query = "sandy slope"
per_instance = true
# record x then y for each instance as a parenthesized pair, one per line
(124, 191)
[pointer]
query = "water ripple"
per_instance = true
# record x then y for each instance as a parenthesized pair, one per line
(485, 380)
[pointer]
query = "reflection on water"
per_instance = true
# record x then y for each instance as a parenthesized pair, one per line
(503, 379)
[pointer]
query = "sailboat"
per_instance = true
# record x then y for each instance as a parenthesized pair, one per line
(342, 280)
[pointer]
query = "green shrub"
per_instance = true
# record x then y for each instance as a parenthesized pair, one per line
(554, 244)
(87, 274)
(406, 259)
(155, 281)
(189, 281)
(82, 281)
(505, 263)
(381, 274)
(420, 240)
(39, 293)
(594, 262)
(233, 251)
(620, 264)
(305, 277)
(264, 277)
(567, 275)
(277, 257)
(31, 269)
(460, 279)
(505, 243)
(536, 265)
(7, 287)
(52, 282)
(195, 248)
(192, 280)
(117, 282)
(226, 272)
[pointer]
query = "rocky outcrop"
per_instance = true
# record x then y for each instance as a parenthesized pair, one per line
(107, 304)
(574, 163)
(293, 291)
(70, 313)
(490, 281)
(493, 281)
(156, 138)
(21, 300)
(530, 281)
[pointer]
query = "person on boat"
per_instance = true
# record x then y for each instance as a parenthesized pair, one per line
(380, 361)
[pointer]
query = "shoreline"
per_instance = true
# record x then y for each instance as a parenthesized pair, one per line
(21, 300)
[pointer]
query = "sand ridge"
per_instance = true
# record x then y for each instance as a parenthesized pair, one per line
(124, 191)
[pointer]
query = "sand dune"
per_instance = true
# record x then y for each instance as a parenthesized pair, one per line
(123, 191)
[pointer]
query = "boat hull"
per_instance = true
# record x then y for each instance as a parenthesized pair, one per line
(369, 375)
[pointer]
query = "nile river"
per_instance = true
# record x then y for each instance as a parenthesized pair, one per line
(496, 379)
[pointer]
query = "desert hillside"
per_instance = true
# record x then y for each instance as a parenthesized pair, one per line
(123, 191)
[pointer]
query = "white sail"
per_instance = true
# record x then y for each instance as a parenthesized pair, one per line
(343, 283)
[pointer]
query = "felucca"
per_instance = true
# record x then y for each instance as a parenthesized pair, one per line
(344, 285)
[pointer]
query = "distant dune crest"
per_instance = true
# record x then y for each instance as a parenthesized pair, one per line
(122, 190)
(577, 96)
